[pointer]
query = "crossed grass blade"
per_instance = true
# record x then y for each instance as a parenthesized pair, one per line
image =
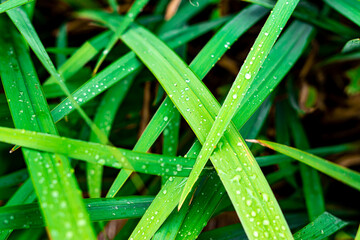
(54, 183)
(188, 94)
(98, 153)
(288, 49)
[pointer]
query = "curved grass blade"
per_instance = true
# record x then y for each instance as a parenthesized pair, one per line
(288, 51)
(123, 67)
(54, 183)
(99, 153)
(10, 4)
(258, 53)
(344, 175)
(201, 65)
(348, 8)
(322, 227)
(25, 27)
(187, 93)
(351, 46)
(29, 215)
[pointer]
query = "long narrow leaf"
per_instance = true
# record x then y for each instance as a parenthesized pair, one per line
(258, 53)
(188, 94)
(29, 215)
(345, 175)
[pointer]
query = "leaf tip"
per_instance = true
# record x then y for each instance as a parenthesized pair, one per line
(262, 143)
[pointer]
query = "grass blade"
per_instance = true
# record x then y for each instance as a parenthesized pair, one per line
(129, 18)
(313, 192)
(29, 215)
(23, 23)
(322, 227)
(104, 119)
(187, 92)
(54, 183)
(10, 4)
(345, 175)
(274, 73)
(258, 53)
(348, 8)
(91, 152)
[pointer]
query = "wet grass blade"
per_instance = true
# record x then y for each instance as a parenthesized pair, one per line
(348, 8)
(104, 119)
(29, 215)
(276, 68)
(25, 27)
(258, 53)
(342, 174)
(128, 19)
(10, 4)
(82, 56)
(25, 194)
(98, 153)
(188, 94)
(122, 68)
(51, 174)
(192, 218)
(322, 227)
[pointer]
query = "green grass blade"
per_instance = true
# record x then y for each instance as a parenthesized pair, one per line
(99, 153)
(274, 72)
(308, 13)
(128, 19)
(322, 227)
(113, 4)
(29, 215)
(104, 119)
(82, 56)
(348, 8)
(312, 187)
(193, 218)
(25, 194)
(14, 178)
(357, 237)
(226, 160)
(351, 46)
(166, 111)
(121, 68)
(25, 27)
(264, 161)
(51, 174)
(345, 175)
(258, 53)
(10, 4)
(61, 42)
